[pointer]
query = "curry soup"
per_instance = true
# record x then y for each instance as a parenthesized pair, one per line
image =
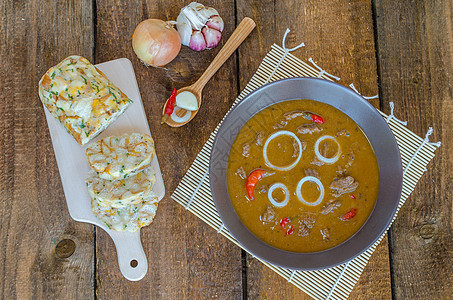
(345, 169)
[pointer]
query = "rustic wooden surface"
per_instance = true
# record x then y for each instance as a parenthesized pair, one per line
(34, 216)
(415, 46)
(403, 51)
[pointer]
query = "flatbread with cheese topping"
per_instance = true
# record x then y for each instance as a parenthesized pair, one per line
(81, 98)
(120, 157)
(129, 218)
(121, 192)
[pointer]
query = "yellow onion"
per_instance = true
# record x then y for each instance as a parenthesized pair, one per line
(156, 42)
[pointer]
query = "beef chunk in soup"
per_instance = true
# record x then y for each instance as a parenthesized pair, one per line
(268, 217)
(325, 234)
(330, 207)
(241, 173)
(325, 150)
(296, 147)
(311, 172)
(294, 114)
(246, 150)
(308, 220)
(304, 144)
(317, 162)
(259, 140)
(343, 132)
(343, 185)
(281, 124)
(303, 230)
(309, 128)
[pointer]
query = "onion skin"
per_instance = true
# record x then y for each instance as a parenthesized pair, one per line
(156, 42)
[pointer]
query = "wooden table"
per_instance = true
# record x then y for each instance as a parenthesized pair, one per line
(401, 50)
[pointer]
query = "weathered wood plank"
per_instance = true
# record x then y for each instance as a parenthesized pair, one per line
(415, 46)
(339, 37)
(187, 259)
(36, 35)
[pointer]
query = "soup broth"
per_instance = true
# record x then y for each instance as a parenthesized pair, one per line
(342, 176)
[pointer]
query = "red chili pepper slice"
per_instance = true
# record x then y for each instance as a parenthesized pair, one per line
(252, 180)
(283, 222)
(317, 119)
(170, 106)
(290, 230)
(352, 196)
(349, 215)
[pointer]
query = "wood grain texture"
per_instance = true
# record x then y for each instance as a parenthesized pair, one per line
(415, 44)
(340, 39)
(36, 35)
(187, 259)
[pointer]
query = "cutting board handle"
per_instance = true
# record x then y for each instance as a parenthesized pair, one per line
(131, 257)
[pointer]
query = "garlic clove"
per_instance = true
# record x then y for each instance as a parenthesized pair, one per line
(197, 41)
(216, 23)
(211, 36)
(187, 101)
(199, 26)
(184, 29)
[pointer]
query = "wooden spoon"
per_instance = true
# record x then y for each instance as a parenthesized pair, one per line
(238, 36)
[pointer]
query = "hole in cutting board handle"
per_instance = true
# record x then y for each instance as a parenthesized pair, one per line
(134, 263)
(131, 257)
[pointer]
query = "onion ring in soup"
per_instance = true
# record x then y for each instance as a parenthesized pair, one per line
(272, 189)
(273, 136)
(318, 183)
(325, 159)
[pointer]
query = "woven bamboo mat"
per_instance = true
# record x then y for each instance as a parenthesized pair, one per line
(193, 192)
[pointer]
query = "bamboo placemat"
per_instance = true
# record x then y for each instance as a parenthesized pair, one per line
(193, 192)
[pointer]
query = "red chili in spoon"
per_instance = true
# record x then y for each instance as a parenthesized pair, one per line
(169, 106)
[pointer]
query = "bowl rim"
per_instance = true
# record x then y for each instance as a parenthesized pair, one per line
(336, 255)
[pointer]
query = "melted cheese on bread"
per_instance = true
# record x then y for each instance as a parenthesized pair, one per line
(81, 97)
(129, 218)
(120, 157)
(121, 192)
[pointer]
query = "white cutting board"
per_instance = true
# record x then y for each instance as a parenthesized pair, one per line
(73, 166)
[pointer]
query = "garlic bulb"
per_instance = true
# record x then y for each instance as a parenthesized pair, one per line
(199, 26)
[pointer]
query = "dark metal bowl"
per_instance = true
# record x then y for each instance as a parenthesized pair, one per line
(374, 127)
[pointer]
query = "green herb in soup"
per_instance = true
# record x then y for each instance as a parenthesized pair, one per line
(302, 176)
